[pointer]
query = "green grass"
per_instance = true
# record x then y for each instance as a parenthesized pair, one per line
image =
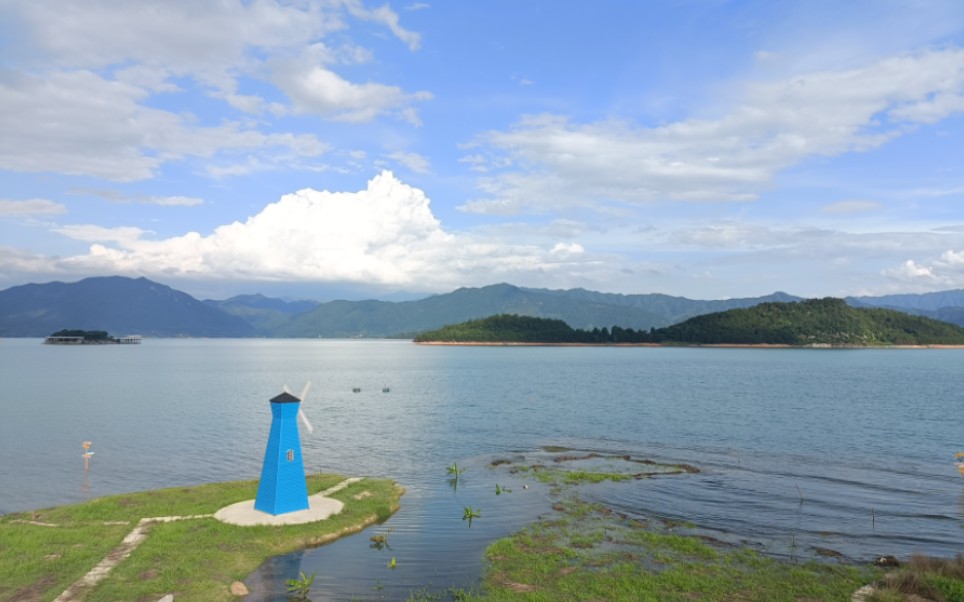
(194, 559)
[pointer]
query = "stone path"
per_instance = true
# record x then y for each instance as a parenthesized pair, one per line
(78, 590)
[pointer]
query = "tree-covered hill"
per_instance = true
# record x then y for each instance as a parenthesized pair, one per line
(509, 328)
(814, 322)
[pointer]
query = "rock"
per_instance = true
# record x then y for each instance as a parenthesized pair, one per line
(239, 589)
(887, 561)
(862, 594)
(167, 598)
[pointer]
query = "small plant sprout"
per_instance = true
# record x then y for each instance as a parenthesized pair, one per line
(471, 513)
(392, 563)
(454, 470)
(501, 490)
(299, 588)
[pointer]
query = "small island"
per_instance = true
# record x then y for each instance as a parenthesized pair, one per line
(89, 337)
(828, 322)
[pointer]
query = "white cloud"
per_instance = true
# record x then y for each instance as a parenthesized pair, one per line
(317, 90)
(387, 17)
(851, 207)
(944, 271)
(174, 201)
(413, 161)
(554, 161)
(125, 236)
(78, 123)
(910, 270)
(385, 234)
(77, 95)
(30, 207)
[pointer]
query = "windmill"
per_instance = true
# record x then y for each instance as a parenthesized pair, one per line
(282, 487)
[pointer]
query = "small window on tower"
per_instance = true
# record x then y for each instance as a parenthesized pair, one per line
(290, 455)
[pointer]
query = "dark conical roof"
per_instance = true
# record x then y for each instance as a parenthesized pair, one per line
(285, 398)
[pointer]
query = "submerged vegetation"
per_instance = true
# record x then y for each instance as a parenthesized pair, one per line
(814, 322)
(587, 551)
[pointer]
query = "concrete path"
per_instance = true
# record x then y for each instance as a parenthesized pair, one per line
(320, 508)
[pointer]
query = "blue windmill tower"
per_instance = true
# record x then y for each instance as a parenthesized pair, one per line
(283, 487)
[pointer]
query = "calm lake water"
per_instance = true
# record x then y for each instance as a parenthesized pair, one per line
(850, 450)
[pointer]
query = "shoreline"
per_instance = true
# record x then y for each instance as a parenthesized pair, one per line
(681, 345)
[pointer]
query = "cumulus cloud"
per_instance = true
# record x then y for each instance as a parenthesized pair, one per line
(552, 160)
(30, 207)
(385, 234)
(910, 270)
(943, 271)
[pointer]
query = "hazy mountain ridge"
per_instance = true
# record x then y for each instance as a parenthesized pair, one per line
(123, 305)
(116, 304)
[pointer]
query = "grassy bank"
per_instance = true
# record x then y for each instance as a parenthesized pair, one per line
(196, 559)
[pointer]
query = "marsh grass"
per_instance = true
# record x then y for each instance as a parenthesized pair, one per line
(195, 559)
(937, 579)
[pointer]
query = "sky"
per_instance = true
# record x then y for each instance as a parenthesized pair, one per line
(352, 149)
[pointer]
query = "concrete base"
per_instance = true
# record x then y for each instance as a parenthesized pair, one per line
(243, 513)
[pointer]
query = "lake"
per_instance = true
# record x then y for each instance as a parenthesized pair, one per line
(850, 450)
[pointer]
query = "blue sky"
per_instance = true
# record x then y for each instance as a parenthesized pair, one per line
(329, 149)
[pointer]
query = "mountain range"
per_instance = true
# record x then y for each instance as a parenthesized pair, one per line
(124, 305)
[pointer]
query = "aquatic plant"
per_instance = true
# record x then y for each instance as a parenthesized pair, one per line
(299, 588)
(455, 470)
(392, 563)
(471, 513)
(500, 490)
(380, 541)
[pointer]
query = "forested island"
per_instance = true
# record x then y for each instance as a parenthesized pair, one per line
(814, 322)
(88, 337)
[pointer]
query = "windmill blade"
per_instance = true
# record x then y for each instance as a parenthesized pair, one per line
(304, 392)
(304, 420)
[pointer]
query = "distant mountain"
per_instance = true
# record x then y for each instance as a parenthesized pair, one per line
(944, 305)
(265, 314)
(923, 301)
(140, 306)
(116, 304)
(579, 308)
